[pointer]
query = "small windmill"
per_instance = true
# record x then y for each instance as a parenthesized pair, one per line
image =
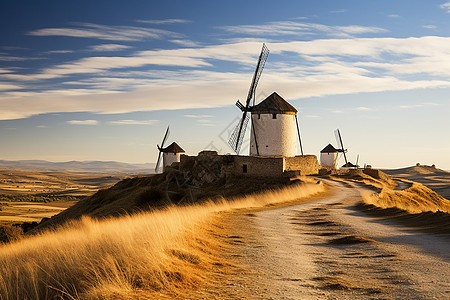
(237, 136)
(166, 135)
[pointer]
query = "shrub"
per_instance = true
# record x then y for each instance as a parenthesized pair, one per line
(9, 233)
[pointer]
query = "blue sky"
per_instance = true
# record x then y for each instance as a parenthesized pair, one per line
(101, 80)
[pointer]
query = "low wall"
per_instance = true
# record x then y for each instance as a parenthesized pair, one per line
(306, 164)
(258, 166)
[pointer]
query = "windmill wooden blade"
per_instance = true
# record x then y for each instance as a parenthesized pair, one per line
(166, 135)
(158, 161)
(340, 143)
(237, 137)
(259, 68)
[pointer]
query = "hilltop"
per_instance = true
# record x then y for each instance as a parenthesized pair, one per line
(434, 178)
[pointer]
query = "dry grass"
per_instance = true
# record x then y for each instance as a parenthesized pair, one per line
(415, 199)
(140, 256)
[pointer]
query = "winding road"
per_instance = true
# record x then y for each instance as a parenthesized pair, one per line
(327, 249)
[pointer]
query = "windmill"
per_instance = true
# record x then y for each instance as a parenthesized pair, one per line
(237, 136)
(160, 149)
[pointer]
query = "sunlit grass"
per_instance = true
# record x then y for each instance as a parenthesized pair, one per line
(132, 256)
(415, 199)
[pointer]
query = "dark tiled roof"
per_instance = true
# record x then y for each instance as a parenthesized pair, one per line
(173, 148)
(349, 165)
(329, 149)
(273, 104)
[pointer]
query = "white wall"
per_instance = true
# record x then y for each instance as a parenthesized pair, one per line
(274, 136)
(169, 158)
(328, 159)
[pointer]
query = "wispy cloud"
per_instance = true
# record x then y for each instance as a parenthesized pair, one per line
(445, 6)
(6, 86)
(59, 51)
(103, 32)
(83, 122)
(410, 106)
(198, 116)
(134, 122)
(394, 16)
(109, 47)
(296, 28)
(185, 43)
(362, 108)
(16, 58)
(165, 22)
(429, 26)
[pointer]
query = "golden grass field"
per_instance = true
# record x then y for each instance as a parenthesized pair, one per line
(148, 255)
(26, 186)
(39, 182)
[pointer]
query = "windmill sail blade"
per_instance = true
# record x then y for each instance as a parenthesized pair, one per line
(157, 162)
(165, 137)
(259, 68)
(340, 143)
(237, 137)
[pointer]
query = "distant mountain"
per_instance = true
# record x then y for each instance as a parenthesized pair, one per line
(79, 166)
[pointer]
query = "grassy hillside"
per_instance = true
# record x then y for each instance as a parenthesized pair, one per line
(148, 255)
(153, 192)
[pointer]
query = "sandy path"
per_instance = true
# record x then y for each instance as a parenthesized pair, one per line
(286, 254)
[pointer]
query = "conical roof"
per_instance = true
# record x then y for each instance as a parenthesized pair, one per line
(329, 149)
(173, 148)
(274, 104)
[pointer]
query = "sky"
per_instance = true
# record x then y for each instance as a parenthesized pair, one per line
(102, 79)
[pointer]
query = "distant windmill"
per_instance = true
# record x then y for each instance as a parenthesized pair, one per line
(237, 136)
(341, 149)
(170, 153)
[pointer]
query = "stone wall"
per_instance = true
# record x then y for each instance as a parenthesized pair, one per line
(258, 166)
(306, 164)
(213, 167)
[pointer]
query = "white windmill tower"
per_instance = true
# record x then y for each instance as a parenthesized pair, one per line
(170, 154)
(274, 122)
(328, 156)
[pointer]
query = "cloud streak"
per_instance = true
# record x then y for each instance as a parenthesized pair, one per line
(83, 122)
(165, 22)
(103, 32)
(109, 47)
(298, 28)
(134, 122)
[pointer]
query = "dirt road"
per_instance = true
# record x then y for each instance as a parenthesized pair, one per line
(326, 249)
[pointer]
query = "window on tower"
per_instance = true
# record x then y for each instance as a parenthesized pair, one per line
(274, 116)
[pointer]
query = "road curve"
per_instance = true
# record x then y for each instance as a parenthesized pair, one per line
(327, 249)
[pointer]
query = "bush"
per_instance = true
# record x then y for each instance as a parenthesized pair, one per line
(9, 233)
